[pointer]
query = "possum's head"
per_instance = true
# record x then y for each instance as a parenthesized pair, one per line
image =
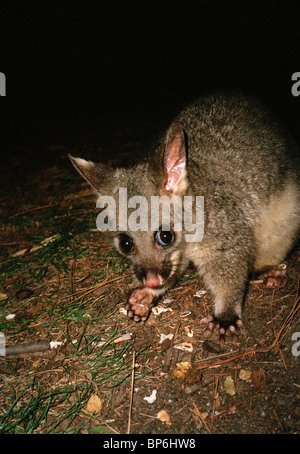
(132, 210)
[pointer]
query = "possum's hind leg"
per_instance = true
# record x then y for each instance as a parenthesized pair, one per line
(275, 232)
(274, 276)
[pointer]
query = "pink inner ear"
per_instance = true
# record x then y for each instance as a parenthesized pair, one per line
(175, 161)
(174, 175)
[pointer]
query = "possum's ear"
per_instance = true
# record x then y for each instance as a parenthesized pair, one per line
(97, 175)
(174, 161)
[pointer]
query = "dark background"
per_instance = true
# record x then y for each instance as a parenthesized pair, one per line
(75, 66)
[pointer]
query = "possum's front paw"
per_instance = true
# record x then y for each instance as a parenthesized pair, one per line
(139, 304)
(234, 327)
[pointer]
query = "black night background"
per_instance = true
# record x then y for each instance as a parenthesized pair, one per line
(76, 66)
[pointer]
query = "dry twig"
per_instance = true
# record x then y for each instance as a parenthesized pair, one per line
(198, 413)
(214, 403)
(34, 209)
(131, 392)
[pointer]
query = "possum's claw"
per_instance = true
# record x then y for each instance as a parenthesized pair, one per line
(139, 304)
(234, 328)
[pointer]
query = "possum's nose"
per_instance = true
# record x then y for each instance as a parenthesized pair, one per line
(153, 279)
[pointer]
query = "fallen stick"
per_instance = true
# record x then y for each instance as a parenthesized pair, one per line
(223, 361)
(214, 402)
(26, 348)
(198, 413)
(33, 209)
(131, 393)
(36, 248)
(286, 324)
(229, 409)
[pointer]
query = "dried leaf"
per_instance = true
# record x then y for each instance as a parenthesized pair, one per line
(124, 337)
(193, 376)
(185, 346)
(55, 344)
(164, 417)
(152, 398)
(259, 379)
(189, 331)
(123, 311)
(35, 309)
(36, 363)
(184, 366)
(167, 301)
(218, 401)
(181, 369)
(200, 293)
(94, 405)
(24, 293)
(245, 375)
(229, 386)
(163, 337)
(157, 310)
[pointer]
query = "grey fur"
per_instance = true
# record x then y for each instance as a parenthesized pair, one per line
(247, 168)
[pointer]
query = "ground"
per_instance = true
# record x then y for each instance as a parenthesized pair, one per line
(62, 282)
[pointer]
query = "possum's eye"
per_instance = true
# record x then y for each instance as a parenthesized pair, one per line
(164, 237)
(126, 244)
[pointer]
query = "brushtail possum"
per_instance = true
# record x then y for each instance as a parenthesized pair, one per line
(228, 149)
